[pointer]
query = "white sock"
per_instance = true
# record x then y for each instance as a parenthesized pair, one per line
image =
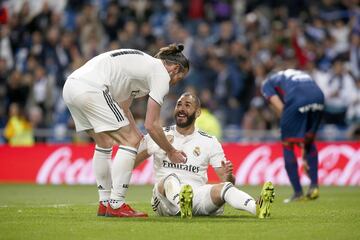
(239, 199)
(101, 166)
(172, 188)
(121, 171)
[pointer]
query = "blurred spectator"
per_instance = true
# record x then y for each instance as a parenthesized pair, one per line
(37, 122)
(43, 95)
(17, 90)
(207, 121)
(255, 118)
(353, 111)
(18, 130)
(337, 88)
(355, 54)
(228, 85)
(232, 46)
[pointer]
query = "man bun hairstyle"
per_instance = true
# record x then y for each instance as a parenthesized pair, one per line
(173, 54)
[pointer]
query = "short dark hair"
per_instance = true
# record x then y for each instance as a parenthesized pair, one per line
(196, 98)
(173, 54)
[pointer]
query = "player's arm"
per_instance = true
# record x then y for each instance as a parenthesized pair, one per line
(140, 157)
(225, 172)
(268, 91)
(153, 127)
(277, 104)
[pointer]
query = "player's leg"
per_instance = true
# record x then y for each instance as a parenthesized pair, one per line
(107, 117)
(311, 156)
(121, 171)
(101, 168)
(203, 204)
(227, 192)
(179, 197)
(170, 187)
(78, 107)
(291, 167)
(293, 125)
(311, 153)
(161, 204)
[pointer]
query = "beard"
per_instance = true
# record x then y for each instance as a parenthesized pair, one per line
(190, 120)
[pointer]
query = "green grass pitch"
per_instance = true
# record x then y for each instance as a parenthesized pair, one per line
(69, 212)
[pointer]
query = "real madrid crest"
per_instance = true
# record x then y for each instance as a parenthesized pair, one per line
(170, 138)
(196, 151)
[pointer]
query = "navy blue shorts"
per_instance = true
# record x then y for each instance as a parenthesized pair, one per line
(300, 122)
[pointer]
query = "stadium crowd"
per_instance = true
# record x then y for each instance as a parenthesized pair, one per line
(232, 47)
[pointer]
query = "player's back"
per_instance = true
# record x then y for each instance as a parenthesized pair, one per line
(294, 87)
(124, 71)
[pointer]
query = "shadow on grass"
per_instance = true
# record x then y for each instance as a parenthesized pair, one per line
(197, 219)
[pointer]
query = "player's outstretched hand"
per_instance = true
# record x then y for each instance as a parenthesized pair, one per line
(177, 156)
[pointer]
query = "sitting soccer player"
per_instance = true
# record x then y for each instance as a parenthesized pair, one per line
(181, 188)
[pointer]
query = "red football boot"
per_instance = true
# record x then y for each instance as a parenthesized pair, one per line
(123, 211)
(101, 209)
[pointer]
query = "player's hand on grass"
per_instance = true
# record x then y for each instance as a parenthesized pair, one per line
(176, 156)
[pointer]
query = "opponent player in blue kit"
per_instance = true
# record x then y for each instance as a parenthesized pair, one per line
(299, 102)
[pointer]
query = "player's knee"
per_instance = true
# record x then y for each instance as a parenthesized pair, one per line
(218, 192)
(102, 140)
(134, 141)
(287, 145)
(169, 183)
(171, 179)
(127, 136)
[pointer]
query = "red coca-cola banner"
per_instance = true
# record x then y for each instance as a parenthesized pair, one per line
(339, 164)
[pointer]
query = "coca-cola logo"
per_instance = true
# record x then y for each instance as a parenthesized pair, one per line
(59, 168)
(338, 165)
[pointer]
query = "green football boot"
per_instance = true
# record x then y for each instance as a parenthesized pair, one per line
(186, 197)
(263, 204)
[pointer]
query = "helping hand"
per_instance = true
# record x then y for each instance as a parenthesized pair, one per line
(176, 156)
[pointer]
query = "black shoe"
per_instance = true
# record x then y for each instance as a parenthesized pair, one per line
(294, 198)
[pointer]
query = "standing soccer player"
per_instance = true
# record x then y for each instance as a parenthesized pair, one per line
(299, 102)
(181, 188)
(99, 95)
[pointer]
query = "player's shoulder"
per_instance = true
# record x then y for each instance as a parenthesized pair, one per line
(205, 135)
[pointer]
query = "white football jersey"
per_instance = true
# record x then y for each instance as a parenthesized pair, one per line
(201, 150)
(126, 72)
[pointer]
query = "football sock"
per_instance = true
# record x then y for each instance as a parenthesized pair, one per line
(121, 173)
(291, 167)
(238, 199)
(172, 189)
(101, 166)
(311, 156)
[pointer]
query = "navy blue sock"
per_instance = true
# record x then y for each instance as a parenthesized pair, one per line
(291, 167)
(311, 155)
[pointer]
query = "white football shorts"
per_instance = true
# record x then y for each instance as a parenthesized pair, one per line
(92, 108)
(202, 203)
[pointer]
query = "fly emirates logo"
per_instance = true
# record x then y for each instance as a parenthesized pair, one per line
(189, 168)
